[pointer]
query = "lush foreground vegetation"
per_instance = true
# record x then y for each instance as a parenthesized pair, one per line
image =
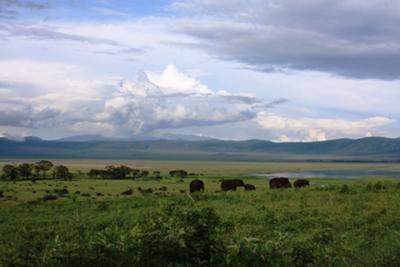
(104, 222)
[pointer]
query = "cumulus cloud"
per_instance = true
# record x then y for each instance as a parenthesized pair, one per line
(319, 129)
(358, 39)
(171, 99)
(154, 101)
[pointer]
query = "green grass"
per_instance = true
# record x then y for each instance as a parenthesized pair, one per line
(335, 222)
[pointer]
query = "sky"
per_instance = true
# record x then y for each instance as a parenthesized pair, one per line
(280, 70)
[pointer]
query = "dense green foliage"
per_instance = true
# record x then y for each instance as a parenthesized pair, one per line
(31, 171)
(332, 223)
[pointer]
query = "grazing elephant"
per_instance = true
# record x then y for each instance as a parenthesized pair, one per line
(231, 185)
(249, 187)
(299, 183)
(196, 185)
(280, 182)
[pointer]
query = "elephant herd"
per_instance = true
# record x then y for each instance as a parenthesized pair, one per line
(233, 184)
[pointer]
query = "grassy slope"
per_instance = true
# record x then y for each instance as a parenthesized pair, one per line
(323, 225)
(339, 228)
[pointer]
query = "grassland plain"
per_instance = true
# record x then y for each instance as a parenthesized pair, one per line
(335, 222)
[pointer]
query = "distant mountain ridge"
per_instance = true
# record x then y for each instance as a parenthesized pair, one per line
(364, 149)
(98, 137)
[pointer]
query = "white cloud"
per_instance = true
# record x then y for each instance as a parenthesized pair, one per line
(170, 99)
(319, 129)
(153, 102)
(79, 82)
(174, 81)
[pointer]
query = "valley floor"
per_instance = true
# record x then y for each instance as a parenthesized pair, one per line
(335, 222)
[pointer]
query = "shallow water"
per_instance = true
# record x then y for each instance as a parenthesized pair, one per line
(350, 174)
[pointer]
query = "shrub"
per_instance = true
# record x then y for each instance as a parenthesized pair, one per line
(181, 235)
(49, 197)
(258, 252)
(103, 206)
(344, 189)
(375, 187)
(61, 192)
(177, 235)
(127, 192)
(163, 188)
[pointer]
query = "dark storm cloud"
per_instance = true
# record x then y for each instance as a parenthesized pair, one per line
(359, 39)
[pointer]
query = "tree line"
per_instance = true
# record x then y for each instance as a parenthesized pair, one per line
(35, 171)
(121, 172)
(125, 172)
(41, 170)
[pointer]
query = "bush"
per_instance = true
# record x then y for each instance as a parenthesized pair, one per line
(181, 235)
(49, 197)
(61, 192)
(127, 192)
(344, 189)
(103, 206)
(175, 236)
(258, 252)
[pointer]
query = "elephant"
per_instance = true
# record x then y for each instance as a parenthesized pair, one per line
(301, 183)
(196, 185)
(279, 182)
(231, 185)
(249, 187)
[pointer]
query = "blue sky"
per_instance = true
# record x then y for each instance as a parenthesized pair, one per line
(276, 70)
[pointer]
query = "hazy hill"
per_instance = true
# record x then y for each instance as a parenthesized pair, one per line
(365, 149)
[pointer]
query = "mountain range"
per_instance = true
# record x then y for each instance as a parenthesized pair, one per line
(376, 149)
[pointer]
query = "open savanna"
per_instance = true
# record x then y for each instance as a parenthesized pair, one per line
(335, 222)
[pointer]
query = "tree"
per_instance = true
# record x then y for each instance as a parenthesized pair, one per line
(44, 166)
(25, 170)
(144, 173)
(35, 172)
(62, 172)
(93, 173)
(178, 173)
(10, 172)
(113, 172)
(119, 172)
(135, 173)
(157, 174)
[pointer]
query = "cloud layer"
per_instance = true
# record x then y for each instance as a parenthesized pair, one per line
(168, 99)
(172, 99)
(319, 129)
(351, 38)
(63, 67)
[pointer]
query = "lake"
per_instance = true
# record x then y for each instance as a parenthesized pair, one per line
(350, 174)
